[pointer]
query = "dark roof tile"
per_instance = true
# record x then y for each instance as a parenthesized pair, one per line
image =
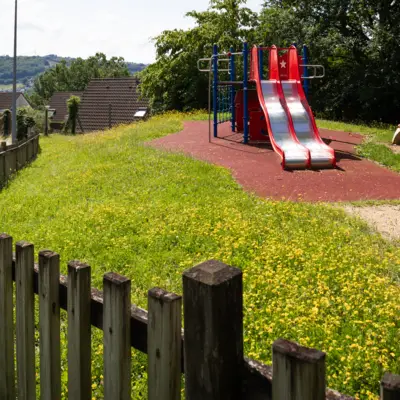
(6, 100)
(59, 102)
(110, 101)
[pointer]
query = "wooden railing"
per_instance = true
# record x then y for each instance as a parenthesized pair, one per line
(209, 351)
(15, 156)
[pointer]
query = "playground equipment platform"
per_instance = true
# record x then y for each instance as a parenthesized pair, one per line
(273, 109)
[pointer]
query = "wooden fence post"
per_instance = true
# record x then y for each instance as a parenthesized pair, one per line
(213, 325)
(164, 334)
(3, 176)
(7, 374)
(390, 387)
(117, 345)
(79, 331)
(298, 372)
(25, 321)
(49, 325)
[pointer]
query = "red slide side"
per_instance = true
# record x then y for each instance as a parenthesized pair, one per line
(294, 74)
(274, 76)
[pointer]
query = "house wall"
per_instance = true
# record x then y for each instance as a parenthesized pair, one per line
(22, 102)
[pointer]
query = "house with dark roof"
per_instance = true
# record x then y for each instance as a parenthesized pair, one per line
(111, 101)
(58, 103)
(6, 101)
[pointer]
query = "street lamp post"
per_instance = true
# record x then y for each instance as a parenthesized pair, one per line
(14, 96)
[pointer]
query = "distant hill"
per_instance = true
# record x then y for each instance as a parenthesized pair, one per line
(29, 67)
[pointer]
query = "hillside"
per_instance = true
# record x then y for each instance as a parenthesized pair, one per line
(31, 66)
(311, 274)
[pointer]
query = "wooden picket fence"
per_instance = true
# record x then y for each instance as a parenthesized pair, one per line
(209, 350)
(14, 157)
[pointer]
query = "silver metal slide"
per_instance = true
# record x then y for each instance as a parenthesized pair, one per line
(294, 154)
(322, 156)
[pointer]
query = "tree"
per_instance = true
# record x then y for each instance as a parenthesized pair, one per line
(73, 108)
(173, 82)
(75, 76)
(357, 42)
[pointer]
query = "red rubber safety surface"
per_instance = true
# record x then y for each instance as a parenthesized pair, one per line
(257, 167)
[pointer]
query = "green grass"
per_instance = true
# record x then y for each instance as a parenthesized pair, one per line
(9, 87)
(311, 273)
(381, 154)
(373, 147)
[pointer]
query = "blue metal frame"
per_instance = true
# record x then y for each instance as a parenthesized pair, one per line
(232, 76)
(245, 94)
(305, 71)
(215, 88)
(260, 62)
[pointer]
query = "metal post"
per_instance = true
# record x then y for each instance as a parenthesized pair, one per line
(260, 62)
(215, 89)
(305, 71)
(245, 98)
(46, 118)
(233, 74)
(14, 95)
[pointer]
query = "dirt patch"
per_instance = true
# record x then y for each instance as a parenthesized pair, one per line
(395, 149)
(384, 218)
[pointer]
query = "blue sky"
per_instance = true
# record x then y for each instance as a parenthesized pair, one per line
(80, 28)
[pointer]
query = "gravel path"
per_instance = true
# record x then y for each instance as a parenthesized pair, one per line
(384, 218)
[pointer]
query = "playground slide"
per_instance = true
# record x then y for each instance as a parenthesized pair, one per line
(280, 126)
(322, 156)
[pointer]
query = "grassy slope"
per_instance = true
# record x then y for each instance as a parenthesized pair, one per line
(373, 148)
(311, 274)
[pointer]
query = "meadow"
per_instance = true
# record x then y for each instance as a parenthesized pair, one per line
(311, 273)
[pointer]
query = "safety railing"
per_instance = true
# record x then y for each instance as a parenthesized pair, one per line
(314, 67)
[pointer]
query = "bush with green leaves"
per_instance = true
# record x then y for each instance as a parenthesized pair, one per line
(73, 108)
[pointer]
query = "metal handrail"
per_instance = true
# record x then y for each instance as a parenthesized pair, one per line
(210, 64)
(204, 59)
(314, 66)
(209, 59)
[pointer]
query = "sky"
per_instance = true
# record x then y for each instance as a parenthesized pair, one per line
(80, 28)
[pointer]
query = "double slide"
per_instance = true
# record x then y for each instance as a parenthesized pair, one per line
(291, 124)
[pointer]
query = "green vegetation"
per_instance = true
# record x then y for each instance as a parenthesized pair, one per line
(311, 273)
(10, 86)
(28, 68)
(374, 147)
(73, 106)
(381, 154)
(357, 43)
(75, 76)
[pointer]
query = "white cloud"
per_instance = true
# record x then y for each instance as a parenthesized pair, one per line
(80, 28)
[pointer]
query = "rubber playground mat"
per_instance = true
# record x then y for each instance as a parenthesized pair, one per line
(257, 169)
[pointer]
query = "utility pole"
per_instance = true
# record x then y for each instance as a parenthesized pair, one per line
(14, 96)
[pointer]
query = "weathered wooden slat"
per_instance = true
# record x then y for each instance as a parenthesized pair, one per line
(49, 326)
(3, 178)
(7, 374)
(298, 372)
(138, 315)
(164, 345)
(257, 376)
(79, 331)
(390, 387)
(25, 321)
(213, 315)
(116, 333)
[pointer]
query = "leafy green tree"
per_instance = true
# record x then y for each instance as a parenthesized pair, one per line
(73, 108)
(357, 42)
(75, 76)
(173, 82)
